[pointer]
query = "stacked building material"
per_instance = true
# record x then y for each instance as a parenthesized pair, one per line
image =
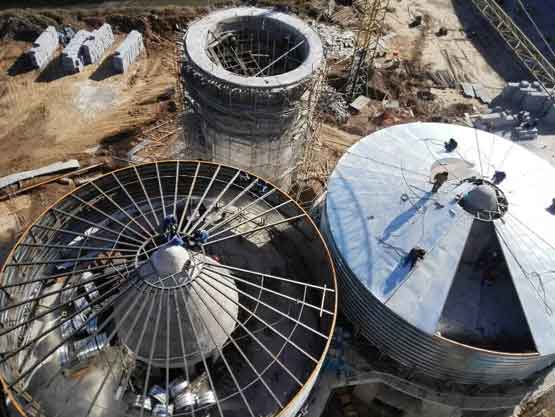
(95, 46)
(128, 51)
(43, 48)
(72, 56)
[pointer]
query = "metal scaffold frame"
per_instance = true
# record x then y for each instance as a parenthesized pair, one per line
(115, 226)
(369, 33)
(308, 167)
(525, 50)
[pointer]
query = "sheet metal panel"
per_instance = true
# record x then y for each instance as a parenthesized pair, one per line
(432, 279)
(47, 170)
(427, 354)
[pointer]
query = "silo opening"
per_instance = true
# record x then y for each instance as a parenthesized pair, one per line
(256, 46)
(483, 308)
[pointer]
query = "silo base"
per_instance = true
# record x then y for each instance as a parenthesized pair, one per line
(366, 386)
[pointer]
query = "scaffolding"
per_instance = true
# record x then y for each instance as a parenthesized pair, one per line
(369, 34)
(309, 168)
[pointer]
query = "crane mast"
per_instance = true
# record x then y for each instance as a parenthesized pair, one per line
(369, 33)
(525, 50)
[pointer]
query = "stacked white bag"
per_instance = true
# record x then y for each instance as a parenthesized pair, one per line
(128, 51)
(95, 46)
(43, 48)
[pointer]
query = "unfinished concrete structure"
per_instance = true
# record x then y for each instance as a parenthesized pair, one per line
(128, 51)
(246, 72)
(43, 48)
(443, 237)
(95, 46)
(172, 288)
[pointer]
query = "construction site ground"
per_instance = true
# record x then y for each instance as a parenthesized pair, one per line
(96, 116)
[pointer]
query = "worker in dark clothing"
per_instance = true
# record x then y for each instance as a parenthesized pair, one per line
(439, 180)
(416, 254)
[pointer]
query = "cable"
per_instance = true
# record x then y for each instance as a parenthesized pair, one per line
(536, 27)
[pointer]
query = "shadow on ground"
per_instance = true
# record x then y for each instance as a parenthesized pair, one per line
(486, 40)
(20, 66)
(105, 70)
(53, 71)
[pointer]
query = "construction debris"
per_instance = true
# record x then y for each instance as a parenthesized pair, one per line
(467, 90)
(530, 98)
(72, 58)
(43, 48)
(128, 51)
(443, 31)
(496, 121)
(359, 103)
(333, 103)
(417, 21)
(481, 94)
(337, 43)
(61, 179)
(95, 46)
(47, 170)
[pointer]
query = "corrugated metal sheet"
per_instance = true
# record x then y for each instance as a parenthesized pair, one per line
(47, 170)
(378, 207)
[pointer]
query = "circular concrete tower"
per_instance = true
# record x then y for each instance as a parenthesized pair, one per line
(246, 72)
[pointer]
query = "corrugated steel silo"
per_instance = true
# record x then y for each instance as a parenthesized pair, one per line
(443, 238)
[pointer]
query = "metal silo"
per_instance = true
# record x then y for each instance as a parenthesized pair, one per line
(443, 237)
(171, 288)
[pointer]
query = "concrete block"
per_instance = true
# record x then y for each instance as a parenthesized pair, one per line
(496, 121)
(95, 46)
(534, 102)
(72, 55)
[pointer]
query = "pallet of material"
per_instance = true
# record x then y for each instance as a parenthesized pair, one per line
(95, 46)
(128, 51)
(72, 57)
(43, 48)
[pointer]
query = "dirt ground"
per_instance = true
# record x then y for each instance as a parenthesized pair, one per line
(46, 116)
(464, 42)
(44, 122)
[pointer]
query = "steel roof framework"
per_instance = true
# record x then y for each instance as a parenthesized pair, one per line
(110, 228)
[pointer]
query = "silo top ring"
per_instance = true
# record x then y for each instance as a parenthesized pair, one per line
(200, 33)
